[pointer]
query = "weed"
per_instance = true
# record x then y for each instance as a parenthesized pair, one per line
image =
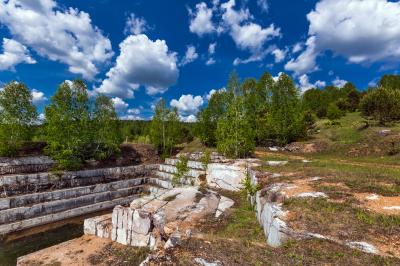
(181, 170)
(206, 158)
(248, 187)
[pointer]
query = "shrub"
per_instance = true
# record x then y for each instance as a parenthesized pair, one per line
(206, 158)
(333, 112)
(248, 187)
(382, 104)
(181, 170)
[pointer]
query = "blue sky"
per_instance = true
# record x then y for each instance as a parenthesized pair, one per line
(139, 51)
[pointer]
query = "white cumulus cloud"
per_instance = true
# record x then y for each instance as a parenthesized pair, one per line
(188, 104)
(59, 34)
(119, 104)
(141, 62)
(305, 83)
(337, 82)
(279, 55)
(201, 20)
(246, 34)
(362, 31)
(211, 92)
(14, 53)
(190, 55)
(135, 25)
(188, 118)
(38, 97)
(211, 52)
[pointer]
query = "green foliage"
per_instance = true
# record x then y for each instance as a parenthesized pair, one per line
(285, 121)
(17, 116)
(132, 130)
(76, 133)
(333, 112)
(206, 158)
(208, 118)
(346, 98)
(253, 113)
(165, 129)
(382, 104)
(235, 136)
(248, 187)
(67, 125)
(390, 82)
(106, 128)
(181, 170)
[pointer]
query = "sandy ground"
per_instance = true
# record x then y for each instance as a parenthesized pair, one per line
(380, 204)
(74, 252)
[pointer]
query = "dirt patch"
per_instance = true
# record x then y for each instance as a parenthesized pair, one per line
(379, 204)
(144, 153)
(73, 252)
(131, 154)
(32, 148)
(298, 187)
(306, 148)
(86, 250)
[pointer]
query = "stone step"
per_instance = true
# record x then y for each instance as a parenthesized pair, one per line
(172, 170)
(29, 164)
(160, 183)
(35, 198)
(54, 217)
(22, 213)
(100, 226)
(187, 180)
(197, 156)
(191, 164)
(29, 183)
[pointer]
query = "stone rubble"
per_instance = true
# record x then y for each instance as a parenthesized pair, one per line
(203, 262)
(159, 220)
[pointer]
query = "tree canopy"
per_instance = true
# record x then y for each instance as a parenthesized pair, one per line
(75, 132)
(17, 115)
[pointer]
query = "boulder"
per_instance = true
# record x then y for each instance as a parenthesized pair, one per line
(224, 204)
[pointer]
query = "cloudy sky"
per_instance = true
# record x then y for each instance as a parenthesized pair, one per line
(183, 51)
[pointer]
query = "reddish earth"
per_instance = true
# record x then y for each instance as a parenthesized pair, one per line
(73, 252)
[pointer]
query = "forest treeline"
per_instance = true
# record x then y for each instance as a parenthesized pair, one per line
(246, 114)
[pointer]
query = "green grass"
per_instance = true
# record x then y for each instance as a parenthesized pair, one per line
(342, 219)
(241, 222)
(366, 177)
(237, 239)
(351, 133)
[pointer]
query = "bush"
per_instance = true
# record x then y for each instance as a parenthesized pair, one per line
(181, 170)
(382, 104)
(333, 112)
